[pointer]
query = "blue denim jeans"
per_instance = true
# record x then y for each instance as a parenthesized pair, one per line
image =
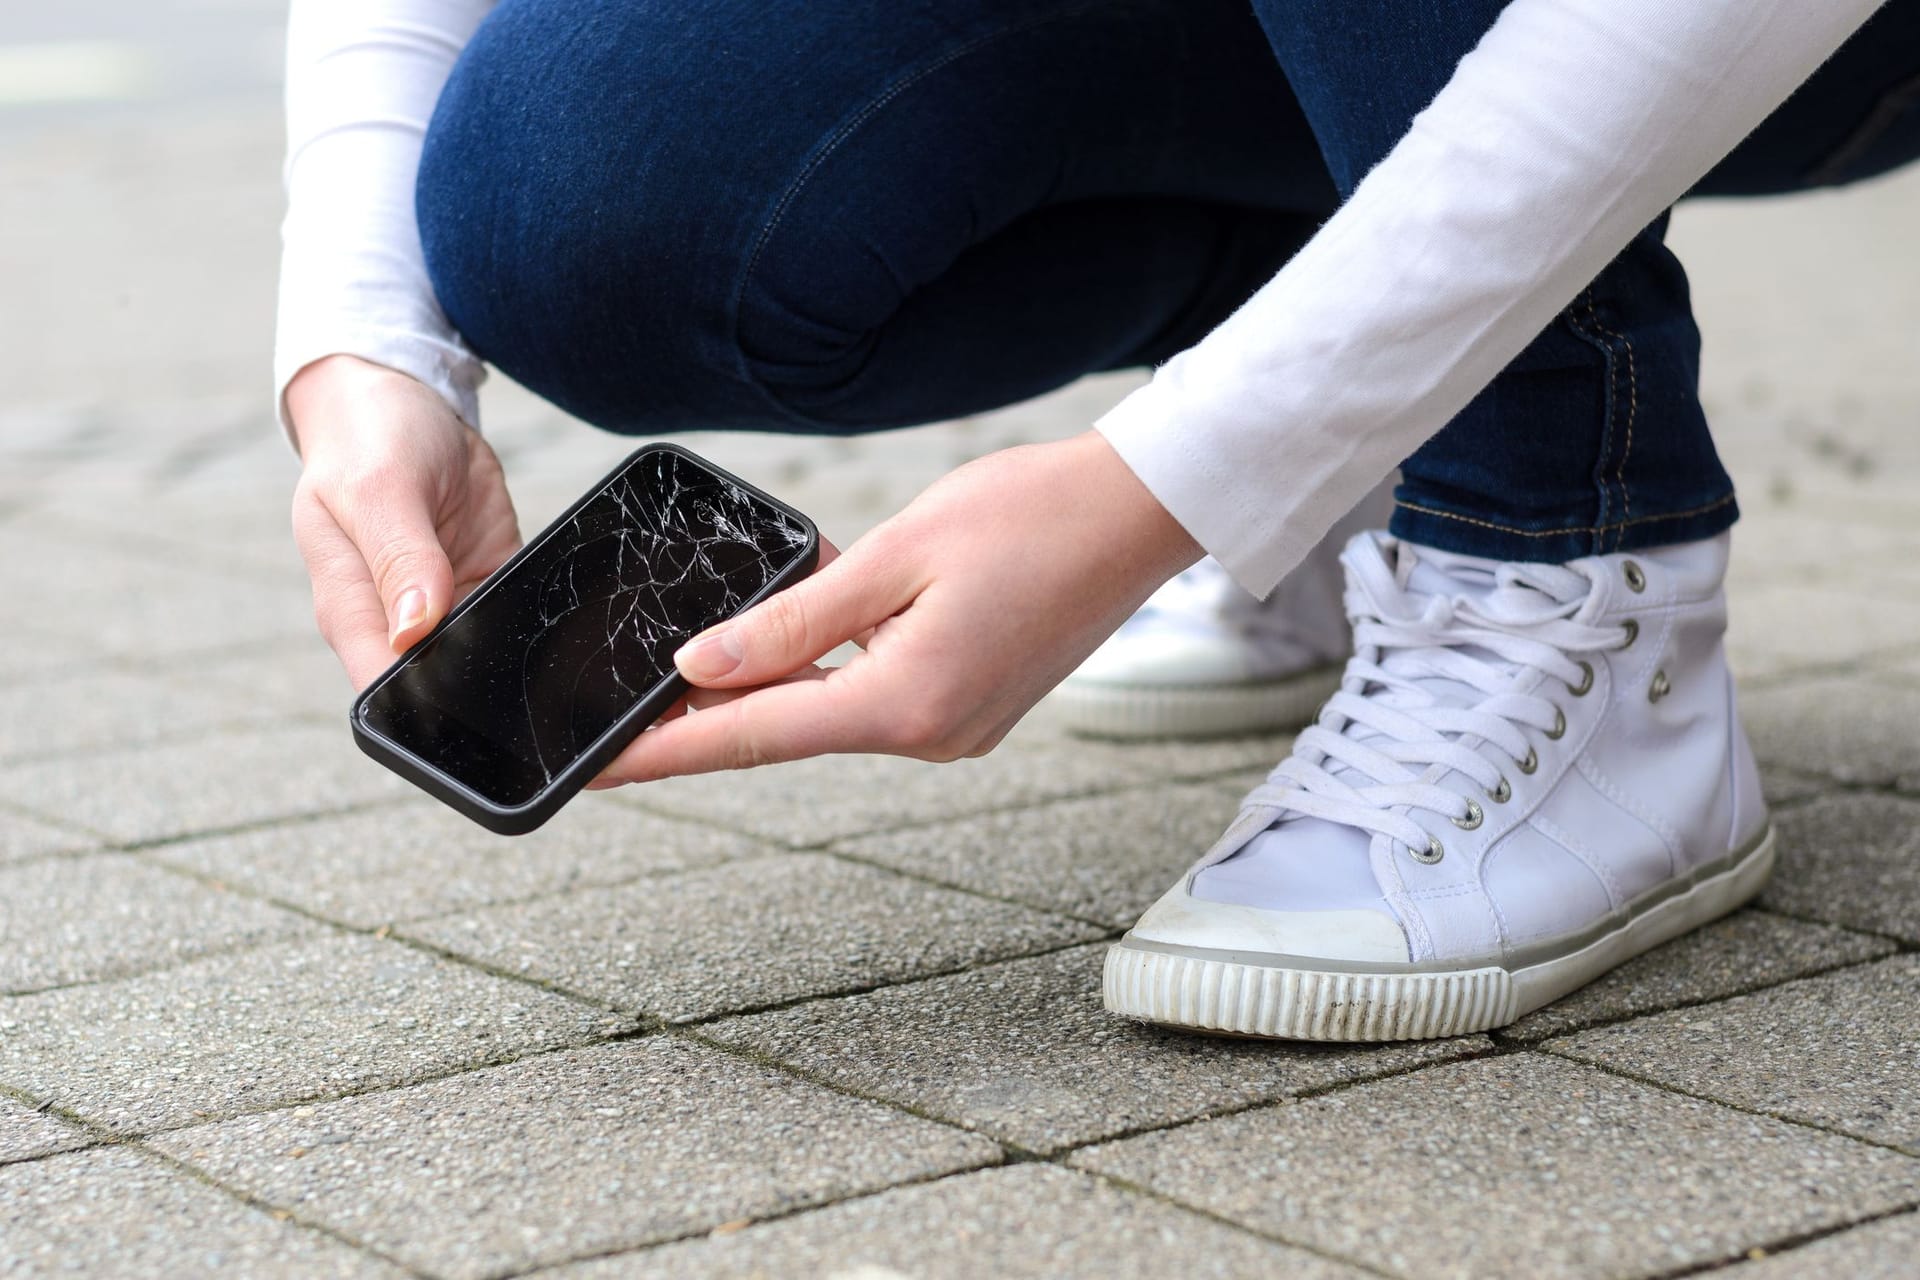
(839, 217)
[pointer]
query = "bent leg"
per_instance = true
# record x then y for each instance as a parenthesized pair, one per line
(663, 216)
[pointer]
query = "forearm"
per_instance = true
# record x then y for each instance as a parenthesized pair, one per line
(1570, 127)
(362, 80)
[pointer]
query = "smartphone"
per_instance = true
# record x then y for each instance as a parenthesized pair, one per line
(538, 679)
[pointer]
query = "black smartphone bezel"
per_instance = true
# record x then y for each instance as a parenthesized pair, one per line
(566, 783)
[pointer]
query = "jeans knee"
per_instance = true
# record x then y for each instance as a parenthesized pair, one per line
(569, 231)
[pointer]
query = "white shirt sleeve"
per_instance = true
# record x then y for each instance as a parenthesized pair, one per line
(362, 80)
(1570, 127)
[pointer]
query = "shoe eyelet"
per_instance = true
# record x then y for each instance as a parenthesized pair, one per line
(1586, 681)
(1633, 633)
(1475, 815)
(1635, 576)
(1531, 763)
(1431, 854)
(1660, 687)
(1502, 793)
(1559, 729)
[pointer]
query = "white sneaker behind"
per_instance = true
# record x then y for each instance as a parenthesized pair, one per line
(1530, 774)
(1202, 658)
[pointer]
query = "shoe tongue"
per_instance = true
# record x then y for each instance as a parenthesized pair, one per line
(1457, 577)
(1447, 573)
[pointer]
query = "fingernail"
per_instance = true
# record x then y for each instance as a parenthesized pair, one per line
(411, 609)
(709, 656)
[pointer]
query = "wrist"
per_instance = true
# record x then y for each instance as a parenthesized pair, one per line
(1148, 536)
(319, 392)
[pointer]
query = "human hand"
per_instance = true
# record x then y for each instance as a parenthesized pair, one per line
(401, 508)
(988, 590)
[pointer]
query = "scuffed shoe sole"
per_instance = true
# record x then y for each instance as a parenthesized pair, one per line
(1102, 710)
(1284, 997)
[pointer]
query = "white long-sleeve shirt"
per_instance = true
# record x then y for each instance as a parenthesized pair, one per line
(1570, 127)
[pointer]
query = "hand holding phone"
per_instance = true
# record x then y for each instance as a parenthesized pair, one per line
(540, 677)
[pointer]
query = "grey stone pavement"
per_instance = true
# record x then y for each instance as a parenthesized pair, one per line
(264, 1012)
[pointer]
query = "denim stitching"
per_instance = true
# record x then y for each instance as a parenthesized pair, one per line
(1715, 505)
(846, 131)
(1605, 348)
(1633, 407)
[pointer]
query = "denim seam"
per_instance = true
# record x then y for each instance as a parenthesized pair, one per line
(1607, 414)
(826, 151)
(1633, 410)
(1716, 504)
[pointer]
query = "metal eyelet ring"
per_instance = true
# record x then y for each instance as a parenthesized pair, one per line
(1636, 577)
(1431, 854)
(1633, 633)
(1475, 814)
(1559, 729)
(1586, 681)
(1502, 793)
(1660, 687)
(1531, 763)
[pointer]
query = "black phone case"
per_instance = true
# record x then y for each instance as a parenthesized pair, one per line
(521, 819)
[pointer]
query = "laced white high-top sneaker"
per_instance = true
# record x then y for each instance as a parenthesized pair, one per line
(1202, 658)
(1530, 773)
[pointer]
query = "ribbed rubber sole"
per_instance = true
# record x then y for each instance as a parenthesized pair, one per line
(1295, 1003)
(1098, 710)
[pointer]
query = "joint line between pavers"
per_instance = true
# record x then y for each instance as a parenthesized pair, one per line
(842, 993)
(777, 1215)
(920, 824)
(277, 1212)
(1897, 943)
(143, 844)
(1784, 1244)
(1502, 1035)
(1741, 1108)
(1273, 1237)
(1005, 900)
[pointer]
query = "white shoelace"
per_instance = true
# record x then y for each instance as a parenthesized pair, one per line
(1439, 685)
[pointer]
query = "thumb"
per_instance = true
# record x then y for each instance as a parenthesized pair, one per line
(787, 631)
(410, 569)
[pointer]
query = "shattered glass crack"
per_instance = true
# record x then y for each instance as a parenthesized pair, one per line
(552, 655)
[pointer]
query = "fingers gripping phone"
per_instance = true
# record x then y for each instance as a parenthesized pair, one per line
(538, 679)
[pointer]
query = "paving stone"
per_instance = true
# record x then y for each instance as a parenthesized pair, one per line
(1104, 858)
(1840, 1051)
(60, 716)
(116, 1212)
(26, 1133)
(1519, 1165)
(299, 678)
(747, 934)
(1034, 1221)
(408, 861)
(140, 609)
(1883, 1250)
(571, 1154)
(1741, 953)
(1024, 1051)
(1855, 729)
(1768, 629)
(1851, 860)
(263, 1028)
(1787, 787)
(28, 654)
(810, 802)
(24, 837)
(81, 919)
(210, 783)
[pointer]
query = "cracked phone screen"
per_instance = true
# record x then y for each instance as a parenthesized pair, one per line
(552, 654)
